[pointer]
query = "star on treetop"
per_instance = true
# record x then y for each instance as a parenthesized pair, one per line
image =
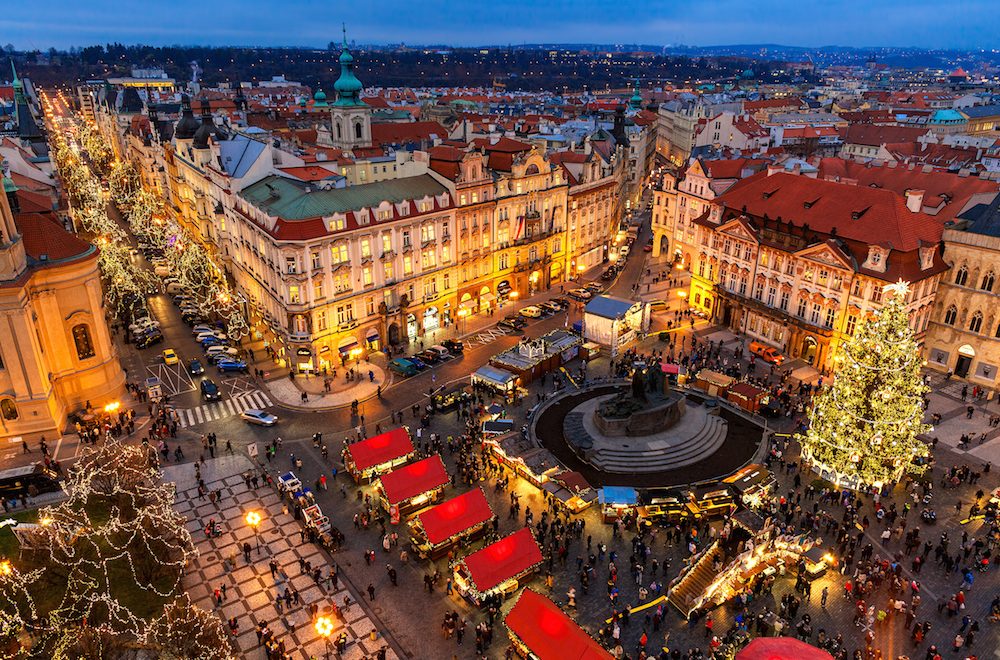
(900, 288)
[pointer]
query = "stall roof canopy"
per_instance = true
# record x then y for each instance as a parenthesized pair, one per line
(494, 375)
(619, 495)
(609, 307)
(500, 561)
(781, 648)
(548, 633)
(413, 479)
(455, 516)
(746, 390)
(715, 378)
(381, 448)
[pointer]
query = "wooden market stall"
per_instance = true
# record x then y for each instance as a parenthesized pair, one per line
(746, 396)
(617, 501)
(369, 458)
(714, 383)
(437, 530)
(751, 484)
(539, 629)
(499, 568)
(413, 486)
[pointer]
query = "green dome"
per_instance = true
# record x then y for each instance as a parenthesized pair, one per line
(320, 95)
(346, 57)
(348, 83)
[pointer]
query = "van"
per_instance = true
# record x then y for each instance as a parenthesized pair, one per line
(767, 353)
(403, 367)
(440, 350)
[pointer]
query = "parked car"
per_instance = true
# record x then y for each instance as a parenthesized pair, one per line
(441, 351)
(518, 321)
(609, 274)
(562, 302)
(767, 353)
(551, 307)
(221, 350)
(143, 323)
(648, 247)
(580, 294)
(593, 287)
(453, 345)
(429, 356)
(200, 328)
(195, 368)
(215, 334)
(258, 417)
(208, 342)
(210, 391)
(531, 311)
(149, 339)
(170, 356)
(403, 367)
(230, 364)
(507, 324)
(417, 362)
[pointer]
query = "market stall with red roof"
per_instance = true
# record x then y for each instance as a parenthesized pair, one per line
(369, 458)
(781, 648)
(412, 486)
(539, 629)
(498, 568)
(463, 518)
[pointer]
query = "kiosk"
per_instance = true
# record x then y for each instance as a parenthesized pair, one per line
(498, 568)
(413, 486)
(439, 529)
(539, 629)
(369, 458)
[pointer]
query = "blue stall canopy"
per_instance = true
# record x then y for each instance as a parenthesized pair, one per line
(620, 495)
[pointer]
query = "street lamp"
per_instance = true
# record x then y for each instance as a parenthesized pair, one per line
(253, 519)
(6, 568)
(462, 313)
(324, 626)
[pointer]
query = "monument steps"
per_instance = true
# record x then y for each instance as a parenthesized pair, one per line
(703, 444)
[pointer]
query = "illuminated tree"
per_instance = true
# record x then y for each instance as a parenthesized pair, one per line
(863, 428)
(188, 632)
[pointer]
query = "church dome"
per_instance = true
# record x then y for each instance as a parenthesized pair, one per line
(319, 96)
(203, 134)
(187, 126)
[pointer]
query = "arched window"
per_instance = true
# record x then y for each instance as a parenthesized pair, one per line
(949, 316)
(81, 337)
(9, 409)
(976, 322)
(357, 130)
(961, 276)
(988, 280)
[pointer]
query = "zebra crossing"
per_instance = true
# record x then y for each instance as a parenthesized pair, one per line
(222, 409)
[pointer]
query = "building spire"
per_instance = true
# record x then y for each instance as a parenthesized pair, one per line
(343, 26)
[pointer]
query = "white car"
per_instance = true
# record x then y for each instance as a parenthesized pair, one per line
(531, 312)
(259, 417)
(200, 328)
(580, 294)
(145, 323)
(210, 333)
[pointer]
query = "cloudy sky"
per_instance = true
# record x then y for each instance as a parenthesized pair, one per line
(928, 23)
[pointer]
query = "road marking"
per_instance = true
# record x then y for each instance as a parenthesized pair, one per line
(223, 409)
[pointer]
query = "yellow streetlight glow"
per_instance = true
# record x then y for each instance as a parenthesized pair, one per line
(253, 518)
(6, 568)
(324, 626)
(112, 407)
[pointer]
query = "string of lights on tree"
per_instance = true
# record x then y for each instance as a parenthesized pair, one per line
(117, 526)
(863, 428)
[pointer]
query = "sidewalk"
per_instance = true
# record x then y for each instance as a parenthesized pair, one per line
(251, 589)
(342, 391)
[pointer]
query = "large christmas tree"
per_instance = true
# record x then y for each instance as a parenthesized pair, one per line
(863, 428)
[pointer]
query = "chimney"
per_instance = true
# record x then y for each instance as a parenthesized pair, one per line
(774, 169)
(915, 200)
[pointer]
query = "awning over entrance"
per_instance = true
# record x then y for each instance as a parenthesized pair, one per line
(371, 335)
(487, 297)
(467, 304)
(346, 344)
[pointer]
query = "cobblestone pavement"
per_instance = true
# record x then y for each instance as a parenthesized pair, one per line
(250, 587)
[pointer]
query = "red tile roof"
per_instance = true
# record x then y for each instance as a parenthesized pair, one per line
(308, 173)
(875, 136)
(503, 144)
(869, 215)
(753, 106)
(44, 237)
(406, 132)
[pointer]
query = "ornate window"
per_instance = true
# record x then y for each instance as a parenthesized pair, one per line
(962, 276)
(950, 315)
(988, 280)
(976, 322)
(9, 409)
(84, 345)
(357, 130)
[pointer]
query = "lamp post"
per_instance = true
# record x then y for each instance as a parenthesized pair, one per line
(324, 626)
(253, 519)
(462, 313)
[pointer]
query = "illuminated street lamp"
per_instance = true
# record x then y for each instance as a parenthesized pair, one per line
(324, 626)
(6, 568)
(253, 519)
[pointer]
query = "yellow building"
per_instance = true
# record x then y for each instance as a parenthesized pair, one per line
(56, 353)
(964, 334)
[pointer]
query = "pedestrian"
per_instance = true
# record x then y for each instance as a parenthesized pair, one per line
(371, 591)
(246, 551)
(823, 596)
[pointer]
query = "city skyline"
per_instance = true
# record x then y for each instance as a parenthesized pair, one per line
(61, 24)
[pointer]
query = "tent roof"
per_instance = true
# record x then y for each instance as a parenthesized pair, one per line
(500, 561)
(413, 479)
(781, 648)
(548, 633)
(455, 516)
(609, 307)
(381, 448)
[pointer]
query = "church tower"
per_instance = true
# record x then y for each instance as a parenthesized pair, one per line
(350, 117)
(12, 257)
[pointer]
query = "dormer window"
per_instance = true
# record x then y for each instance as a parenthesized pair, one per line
(926, 257)
(876, 258)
